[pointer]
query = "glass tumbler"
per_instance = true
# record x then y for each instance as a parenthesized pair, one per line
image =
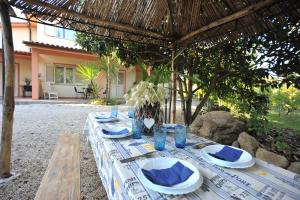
(160, 135)
(114, 111)
(180, 136)
(137, 127)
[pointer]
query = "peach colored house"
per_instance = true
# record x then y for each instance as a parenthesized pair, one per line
(49, 54)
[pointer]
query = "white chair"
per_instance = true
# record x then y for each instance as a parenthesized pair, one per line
(48, 93)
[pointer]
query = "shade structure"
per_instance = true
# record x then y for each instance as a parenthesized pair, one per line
(163, 22)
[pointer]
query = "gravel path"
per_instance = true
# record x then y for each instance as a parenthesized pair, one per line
(36, 129)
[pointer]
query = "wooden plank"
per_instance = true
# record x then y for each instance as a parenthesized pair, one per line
(8, 95)
(244, 12)
(62, 177)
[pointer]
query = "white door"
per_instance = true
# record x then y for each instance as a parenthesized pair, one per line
(117, 86)
(16, 80)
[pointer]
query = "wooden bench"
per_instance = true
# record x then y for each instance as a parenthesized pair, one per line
(62, 177)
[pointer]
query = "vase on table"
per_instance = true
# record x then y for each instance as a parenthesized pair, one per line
(147, 98)
(150, 113)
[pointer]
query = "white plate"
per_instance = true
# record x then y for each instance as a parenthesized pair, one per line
(190, 185)
(170, 127)
(246, 160)
(116, 129)
(110, 119)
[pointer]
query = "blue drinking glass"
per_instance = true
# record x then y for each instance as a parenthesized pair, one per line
(160, 135)
(180, 136)
(131, 112)
(137, 125)
(114, 111)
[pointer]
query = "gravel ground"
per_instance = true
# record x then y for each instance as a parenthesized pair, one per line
(36, 129)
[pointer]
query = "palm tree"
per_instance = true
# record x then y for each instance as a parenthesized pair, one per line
(110, 64)
(90, 72)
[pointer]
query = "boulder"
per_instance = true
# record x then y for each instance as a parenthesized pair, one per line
(235, 144)
(272, 158)
(219, 126)
(295, 167)
(248, 143)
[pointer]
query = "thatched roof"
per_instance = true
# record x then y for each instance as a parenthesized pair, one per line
(163, 22)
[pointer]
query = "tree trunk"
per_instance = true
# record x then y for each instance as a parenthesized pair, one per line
(8, 98)
(174, 85)
(180, 92)
(205, 98)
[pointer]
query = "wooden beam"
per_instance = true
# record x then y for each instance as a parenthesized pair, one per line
(8, 102)
(104, 23)
(237, 15)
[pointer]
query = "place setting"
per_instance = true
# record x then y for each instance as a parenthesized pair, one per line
(170, 175)
(105, 117)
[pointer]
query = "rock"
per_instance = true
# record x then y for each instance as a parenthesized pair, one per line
(272, 158)
(295, 167)
(219, 126)
(236, 144)
(248, 143)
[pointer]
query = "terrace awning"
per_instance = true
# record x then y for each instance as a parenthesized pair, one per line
(163, 22)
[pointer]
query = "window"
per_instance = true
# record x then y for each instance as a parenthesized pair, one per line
(60, 32)
(59, 75)
(62, 74)
(69, 75)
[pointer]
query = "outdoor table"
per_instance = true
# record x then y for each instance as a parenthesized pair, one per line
(262, 181)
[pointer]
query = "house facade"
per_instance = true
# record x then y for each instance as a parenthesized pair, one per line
(47, 54)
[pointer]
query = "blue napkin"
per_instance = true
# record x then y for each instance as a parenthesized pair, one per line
(113, 132)
(176, 174)
(228, 154)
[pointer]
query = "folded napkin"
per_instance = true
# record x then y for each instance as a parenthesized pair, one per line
(176, 174)
(115, 132)
(228, 154)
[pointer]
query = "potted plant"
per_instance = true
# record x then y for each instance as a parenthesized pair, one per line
(147, 98)
(27, 81)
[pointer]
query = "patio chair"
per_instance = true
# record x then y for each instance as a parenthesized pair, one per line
(82, 93)
(48, 93)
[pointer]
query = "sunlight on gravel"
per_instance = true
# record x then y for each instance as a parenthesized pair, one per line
(36, 129)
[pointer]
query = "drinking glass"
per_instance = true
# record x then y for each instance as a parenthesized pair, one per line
(114, 111)
(137, 125)
(131, 112)
(180, 136)
(160, 135)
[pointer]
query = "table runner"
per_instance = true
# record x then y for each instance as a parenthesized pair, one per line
(262, 181)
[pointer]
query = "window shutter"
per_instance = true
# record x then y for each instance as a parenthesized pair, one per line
(50, 73)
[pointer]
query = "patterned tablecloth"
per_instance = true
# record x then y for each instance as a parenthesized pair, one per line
(262, 181)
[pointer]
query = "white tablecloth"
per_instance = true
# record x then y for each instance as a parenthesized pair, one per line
(262, 181)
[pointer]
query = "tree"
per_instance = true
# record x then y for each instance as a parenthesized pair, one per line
(279, 51)
(110, 65)
(229, 69)
(129, 53)
(90, 72)
(225, 70)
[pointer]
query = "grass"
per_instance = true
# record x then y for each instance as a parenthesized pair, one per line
(291, 120)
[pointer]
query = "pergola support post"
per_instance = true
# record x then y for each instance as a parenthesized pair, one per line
(174, 86)
(8, 102)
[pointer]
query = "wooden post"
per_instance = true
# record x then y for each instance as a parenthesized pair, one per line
(3, 69)
(173, 85)
(8, 102)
